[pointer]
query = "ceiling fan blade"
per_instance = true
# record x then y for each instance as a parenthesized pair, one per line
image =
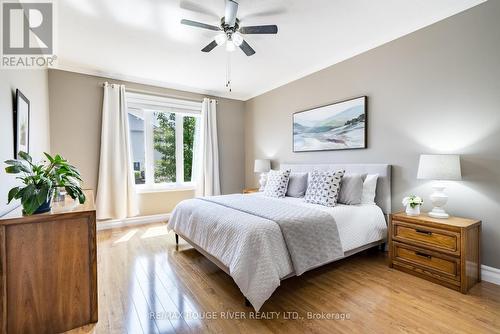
(268, 29)
(247, 48)
(199, 25)
(209, 47)
(230, 13)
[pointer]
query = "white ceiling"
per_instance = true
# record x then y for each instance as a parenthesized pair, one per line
(143, 41)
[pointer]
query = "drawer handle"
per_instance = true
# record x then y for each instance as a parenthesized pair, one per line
(423, 255)
(423, 232)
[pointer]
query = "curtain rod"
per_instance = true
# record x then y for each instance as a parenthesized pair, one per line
(133, 90)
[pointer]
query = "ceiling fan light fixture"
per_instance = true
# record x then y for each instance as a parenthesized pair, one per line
(237, 39)
(231, 33)
(220, 39)
(230, 47)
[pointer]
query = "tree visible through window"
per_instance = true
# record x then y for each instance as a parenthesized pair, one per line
(189, 125)
(162, 145)
(165, 146)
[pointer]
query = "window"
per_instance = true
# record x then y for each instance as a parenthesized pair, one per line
(164, 141)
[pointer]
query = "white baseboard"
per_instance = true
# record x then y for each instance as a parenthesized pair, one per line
(116, 223)
(490, 274)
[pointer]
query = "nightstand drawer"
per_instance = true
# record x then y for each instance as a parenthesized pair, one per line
(441, 264)
(440, 240)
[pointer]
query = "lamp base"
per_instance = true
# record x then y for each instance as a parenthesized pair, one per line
(262, 181)
(438, 213)
(438, 199)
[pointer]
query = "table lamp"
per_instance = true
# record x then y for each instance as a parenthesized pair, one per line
(439, 167)
(262, 166)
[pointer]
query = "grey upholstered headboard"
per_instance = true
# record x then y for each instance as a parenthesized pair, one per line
(383, 196)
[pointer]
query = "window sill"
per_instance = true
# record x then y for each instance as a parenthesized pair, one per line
(143, 189)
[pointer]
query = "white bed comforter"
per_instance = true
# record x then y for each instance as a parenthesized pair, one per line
(254, 249)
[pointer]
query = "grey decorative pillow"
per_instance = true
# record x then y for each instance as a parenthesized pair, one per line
(351, 189)
(297, 185)
(324, 187)
(277, 183)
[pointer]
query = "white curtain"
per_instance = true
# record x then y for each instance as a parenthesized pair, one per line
(116, 198)
(207, 180)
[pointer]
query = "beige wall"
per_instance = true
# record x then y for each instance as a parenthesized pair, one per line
(75, 119)
(436, 90)
(34, 85)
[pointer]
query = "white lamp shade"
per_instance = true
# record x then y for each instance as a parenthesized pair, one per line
(262, 166)
(439, 167)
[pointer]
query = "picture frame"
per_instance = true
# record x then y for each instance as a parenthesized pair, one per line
(21, 124)
(336, 126)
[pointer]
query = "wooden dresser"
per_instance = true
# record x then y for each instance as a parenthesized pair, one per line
(48, 269)
(444, 251)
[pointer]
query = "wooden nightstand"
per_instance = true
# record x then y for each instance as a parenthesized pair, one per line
(443, 251)
(250, 190)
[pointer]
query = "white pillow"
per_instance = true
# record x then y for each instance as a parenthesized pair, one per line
(277, 183)
(369, 189)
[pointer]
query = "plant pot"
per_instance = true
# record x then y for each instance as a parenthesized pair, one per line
(413, 211)
(45, 207)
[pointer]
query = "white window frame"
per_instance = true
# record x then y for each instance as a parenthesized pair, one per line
(149, 104)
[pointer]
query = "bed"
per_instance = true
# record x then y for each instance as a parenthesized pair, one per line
(255, 250)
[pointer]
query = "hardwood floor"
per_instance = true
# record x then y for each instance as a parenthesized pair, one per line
(140, 272)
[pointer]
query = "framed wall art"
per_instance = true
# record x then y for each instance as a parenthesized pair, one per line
(21, 124)
(337, 126)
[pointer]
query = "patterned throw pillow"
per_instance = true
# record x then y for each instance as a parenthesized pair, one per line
(324, 187)
(277, 183)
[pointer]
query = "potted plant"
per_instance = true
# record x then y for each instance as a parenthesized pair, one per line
(40, 180)
(412, 204)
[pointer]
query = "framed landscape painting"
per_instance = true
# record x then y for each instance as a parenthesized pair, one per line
(338, 126)
(22, 124)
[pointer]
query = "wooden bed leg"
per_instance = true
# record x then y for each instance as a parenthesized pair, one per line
(247, 303)
(381, 247)
(176, 239)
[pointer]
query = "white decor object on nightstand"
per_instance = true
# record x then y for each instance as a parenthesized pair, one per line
(439, 167)
(412, 204)
(262, 166)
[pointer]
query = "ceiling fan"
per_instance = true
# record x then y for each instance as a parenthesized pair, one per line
(231, 32)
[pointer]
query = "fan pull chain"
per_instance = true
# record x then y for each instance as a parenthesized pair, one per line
(228, 72)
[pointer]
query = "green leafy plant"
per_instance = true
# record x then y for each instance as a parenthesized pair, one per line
(40, 180)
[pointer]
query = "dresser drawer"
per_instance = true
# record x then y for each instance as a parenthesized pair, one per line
(440, 240)
(440, 264)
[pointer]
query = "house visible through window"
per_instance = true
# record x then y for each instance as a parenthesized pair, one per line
(164, 140)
